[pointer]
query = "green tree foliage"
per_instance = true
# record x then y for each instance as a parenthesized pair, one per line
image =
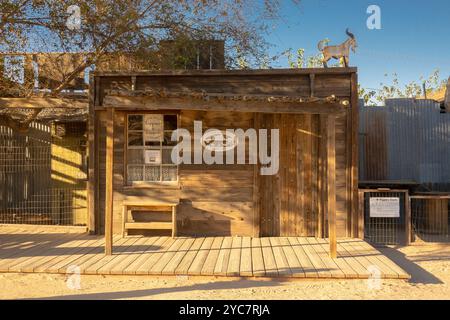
(136, 26)
(392, 88)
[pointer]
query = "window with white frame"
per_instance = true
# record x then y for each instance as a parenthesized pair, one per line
(149, 148)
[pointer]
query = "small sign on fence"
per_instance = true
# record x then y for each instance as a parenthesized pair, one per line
(385, 207)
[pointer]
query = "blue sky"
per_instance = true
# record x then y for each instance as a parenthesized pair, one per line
(413, 42)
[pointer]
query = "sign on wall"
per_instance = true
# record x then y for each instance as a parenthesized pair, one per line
(153, 127)
(384, 207)
(152, 157)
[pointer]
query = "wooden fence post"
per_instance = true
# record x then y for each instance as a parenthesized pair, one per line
(407, 218)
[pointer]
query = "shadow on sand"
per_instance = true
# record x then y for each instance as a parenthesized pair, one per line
(133, 294)
(418, 274)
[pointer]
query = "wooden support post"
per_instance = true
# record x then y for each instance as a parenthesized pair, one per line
(331, 184)
(354, 132)
(109, 181)
(323, 177)
(91, 184)
(361, 215)
(174, 221)
(256, 188)
(407, 219)
(124, 220)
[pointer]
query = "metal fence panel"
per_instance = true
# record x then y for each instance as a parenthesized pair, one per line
(40, 178)
(385, 231)
(431, 219)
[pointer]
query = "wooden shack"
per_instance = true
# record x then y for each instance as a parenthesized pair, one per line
(314, 193)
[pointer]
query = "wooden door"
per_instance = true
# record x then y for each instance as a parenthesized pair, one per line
(289, 200)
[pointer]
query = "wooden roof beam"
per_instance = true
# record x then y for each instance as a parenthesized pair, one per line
(42, 103)
(189, 103)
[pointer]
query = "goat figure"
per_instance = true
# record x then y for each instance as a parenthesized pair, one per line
(339, 51)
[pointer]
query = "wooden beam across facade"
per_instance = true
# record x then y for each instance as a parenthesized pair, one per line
(43, 103)
(150, 103)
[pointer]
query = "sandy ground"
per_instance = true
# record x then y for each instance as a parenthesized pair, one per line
(429, 265)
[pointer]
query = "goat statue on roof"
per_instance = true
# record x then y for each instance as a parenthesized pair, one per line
(340, 51)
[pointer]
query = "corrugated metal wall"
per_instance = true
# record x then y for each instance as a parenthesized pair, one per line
(407, 139)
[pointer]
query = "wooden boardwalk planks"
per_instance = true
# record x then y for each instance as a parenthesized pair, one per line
(303, 259)
(257, 258)
(234, 263)
(159, 266)
(21, 262)
(211, 259)
(345, 253)
(146, 266)
(133, 246)
(290, 257)
(172, 265)
(269, 259)
(88, 249)
(280, 258)
(184, 265)
(245, 268)
(317, 264)
(292, 260)
(63, 252)
(341, 263)
(200, 258)
(223, 257)
(328, 262)
(152, 246)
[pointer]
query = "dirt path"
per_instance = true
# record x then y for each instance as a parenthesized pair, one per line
(429, 265)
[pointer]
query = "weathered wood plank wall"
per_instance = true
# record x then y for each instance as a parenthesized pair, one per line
(232, 199)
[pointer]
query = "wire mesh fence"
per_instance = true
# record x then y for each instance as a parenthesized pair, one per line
(430, 219)
(42, 177)
(385, 230)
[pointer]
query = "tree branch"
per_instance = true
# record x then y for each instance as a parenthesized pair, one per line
(101, 50)
(17, 125)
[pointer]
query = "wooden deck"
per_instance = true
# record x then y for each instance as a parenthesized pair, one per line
(44, 252)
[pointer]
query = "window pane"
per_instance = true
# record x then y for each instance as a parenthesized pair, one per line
(153, 129)
(167, 156)
(152, 173)
(169, 173)
(135, 156)
(135, 122)
(170, 122)
(152, 143)
(152, 156)
(135, 139)
(135, 173)
(167, 139)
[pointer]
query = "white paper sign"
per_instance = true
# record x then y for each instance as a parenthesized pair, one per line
(152, 157)
(388, 207)
(153, 127)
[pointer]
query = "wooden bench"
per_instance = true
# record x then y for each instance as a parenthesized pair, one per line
(146, 206)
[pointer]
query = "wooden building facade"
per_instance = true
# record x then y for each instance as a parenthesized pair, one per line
(314, 193)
